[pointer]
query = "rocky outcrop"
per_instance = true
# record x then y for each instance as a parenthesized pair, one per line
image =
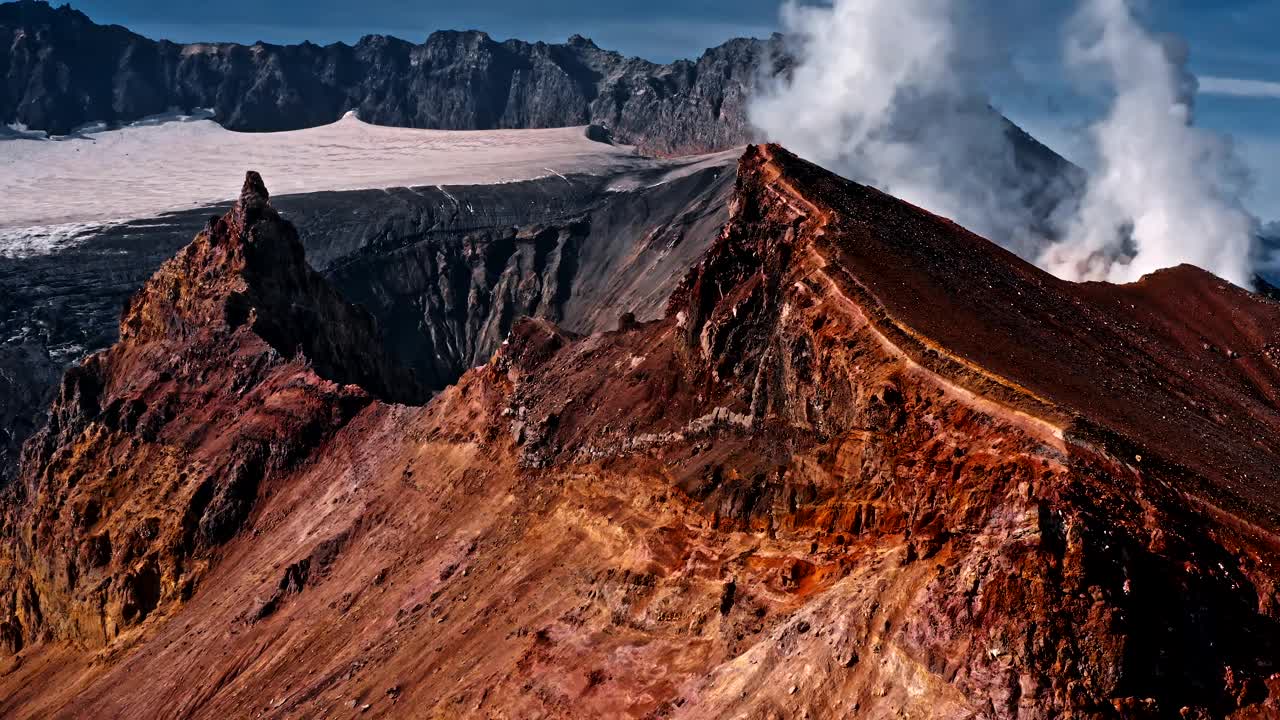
(424, 261)
(234, 361)
(1026, 535)
(840, 476)
(62, 71)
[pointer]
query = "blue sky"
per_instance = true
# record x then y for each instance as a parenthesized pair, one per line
(1233, 43)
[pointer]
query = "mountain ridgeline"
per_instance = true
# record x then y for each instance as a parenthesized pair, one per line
(61, 70)
(801, 490)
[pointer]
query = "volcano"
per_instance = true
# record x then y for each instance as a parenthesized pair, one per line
(866, 464)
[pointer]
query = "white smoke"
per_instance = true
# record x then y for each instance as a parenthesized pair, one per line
(1164, 191)
(888, 94)
(892, 93)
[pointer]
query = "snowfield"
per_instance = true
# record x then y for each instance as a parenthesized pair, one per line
(52, 190)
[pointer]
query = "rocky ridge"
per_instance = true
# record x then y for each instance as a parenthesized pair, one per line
(803, 490)
(424, 261)
(62, 71)
(234, 362)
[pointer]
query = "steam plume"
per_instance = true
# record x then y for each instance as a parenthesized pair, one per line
(892, 93)
(887, 94)
(1164, 192)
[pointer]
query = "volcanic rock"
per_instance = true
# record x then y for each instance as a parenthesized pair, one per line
(985, 492)
(444, 271)
(234, 362)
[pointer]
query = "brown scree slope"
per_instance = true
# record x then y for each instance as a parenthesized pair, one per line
(868, 465)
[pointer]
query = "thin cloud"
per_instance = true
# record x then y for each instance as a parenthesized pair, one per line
(1239, 87)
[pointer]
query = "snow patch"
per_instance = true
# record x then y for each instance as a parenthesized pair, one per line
(47, 239)
(58, 190)
(175, 162)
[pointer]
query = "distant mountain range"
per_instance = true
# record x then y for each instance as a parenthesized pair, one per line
(61, 71)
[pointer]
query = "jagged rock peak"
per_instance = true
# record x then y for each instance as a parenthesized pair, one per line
(248, 268)
(255, 202)
(237, 325)
(254, 193)
(738, 279)
(35, 10)
(477, 37)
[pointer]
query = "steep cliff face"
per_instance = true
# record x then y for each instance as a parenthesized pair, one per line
(62, 71)
(994, 528)
(448, 297)
(841, 476)
(234, 362)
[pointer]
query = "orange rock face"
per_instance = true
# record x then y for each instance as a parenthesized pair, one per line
(868, 465)
(157, 450)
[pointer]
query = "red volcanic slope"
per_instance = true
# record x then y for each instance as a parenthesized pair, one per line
(1181, 365)
(868, 465)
